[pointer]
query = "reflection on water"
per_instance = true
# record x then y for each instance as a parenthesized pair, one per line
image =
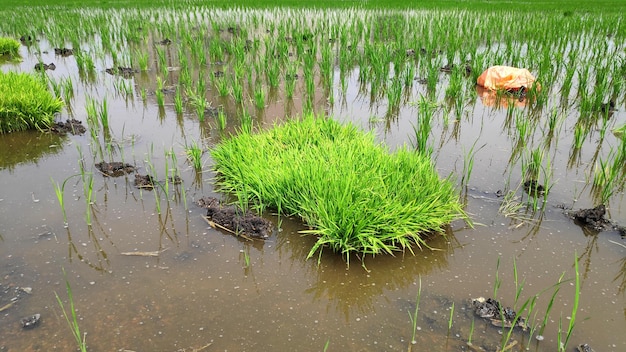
(27, 147)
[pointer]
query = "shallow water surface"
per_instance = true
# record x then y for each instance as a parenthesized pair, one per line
(191, 287)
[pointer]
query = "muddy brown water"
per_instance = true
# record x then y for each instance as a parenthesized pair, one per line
(208, 289)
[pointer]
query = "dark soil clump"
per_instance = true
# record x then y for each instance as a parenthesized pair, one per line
(592, 218)
(63, 52)
(72, 126)
(125, 72)
(533, 188)
(40, 66)
(115, 168)
(165, 41)
(492, 310)
(142, 181)
(235, 220)
(26, 39)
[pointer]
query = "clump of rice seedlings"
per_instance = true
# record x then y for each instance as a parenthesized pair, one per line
(237, 90)
(26, 102)
(394, 93)
(178, 101)
(259, 96)
(160, 96)
(103, 114)
(426, 111)
(221, 119)
(359, 197)
(194, 155)
(9, 46)
(580, 134)
(142, 60)
(223, 86)
(245, 120)
(199, 102)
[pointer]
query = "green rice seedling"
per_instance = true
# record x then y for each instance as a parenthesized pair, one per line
(178, 101)
(471, 333)
(580, 134)
(468, 164)
(451, 316)
(259, 96)
(88, 192)
(426, 111)
(161, 58)
(223, 86)
(413, 317)
(10, 47)
(273, 73)
(26, 102)
(73, 322)
(160, 96)
(394, 93)
(221, 119)
(456, 83)
(546, 316)
(237, 90)
(142, 60)
(194, 155)
(245, 120)
(310, 154)
(290, 87)
(59, 190)
(103, 114)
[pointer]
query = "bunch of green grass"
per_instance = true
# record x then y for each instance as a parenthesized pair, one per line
(9, 46)
(194, 154)
(26, 102)
(355, 195)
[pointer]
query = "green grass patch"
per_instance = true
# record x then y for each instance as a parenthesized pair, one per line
(9, 46)
(356, 196)
(26, 102)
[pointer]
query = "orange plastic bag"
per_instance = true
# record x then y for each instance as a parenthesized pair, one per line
(506, 77)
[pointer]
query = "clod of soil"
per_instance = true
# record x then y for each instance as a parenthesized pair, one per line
(115, 168)
(63, 51)
(584, 348)
(235, 220)
(533, 188)
(40, 66)
(30, 321)
(72, 126)
(492, 310)
(142, 181)
(165, 41)
(592, 218)
(26, 39)
(125, 72)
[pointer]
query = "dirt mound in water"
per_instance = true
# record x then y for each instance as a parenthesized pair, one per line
(235, 220)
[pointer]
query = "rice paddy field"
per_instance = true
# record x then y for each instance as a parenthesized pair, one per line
(157, 85)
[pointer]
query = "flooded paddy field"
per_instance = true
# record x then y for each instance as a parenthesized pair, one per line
(150, 86)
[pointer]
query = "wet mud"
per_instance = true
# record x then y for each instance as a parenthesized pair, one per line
(115, 168)
(236, 221)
